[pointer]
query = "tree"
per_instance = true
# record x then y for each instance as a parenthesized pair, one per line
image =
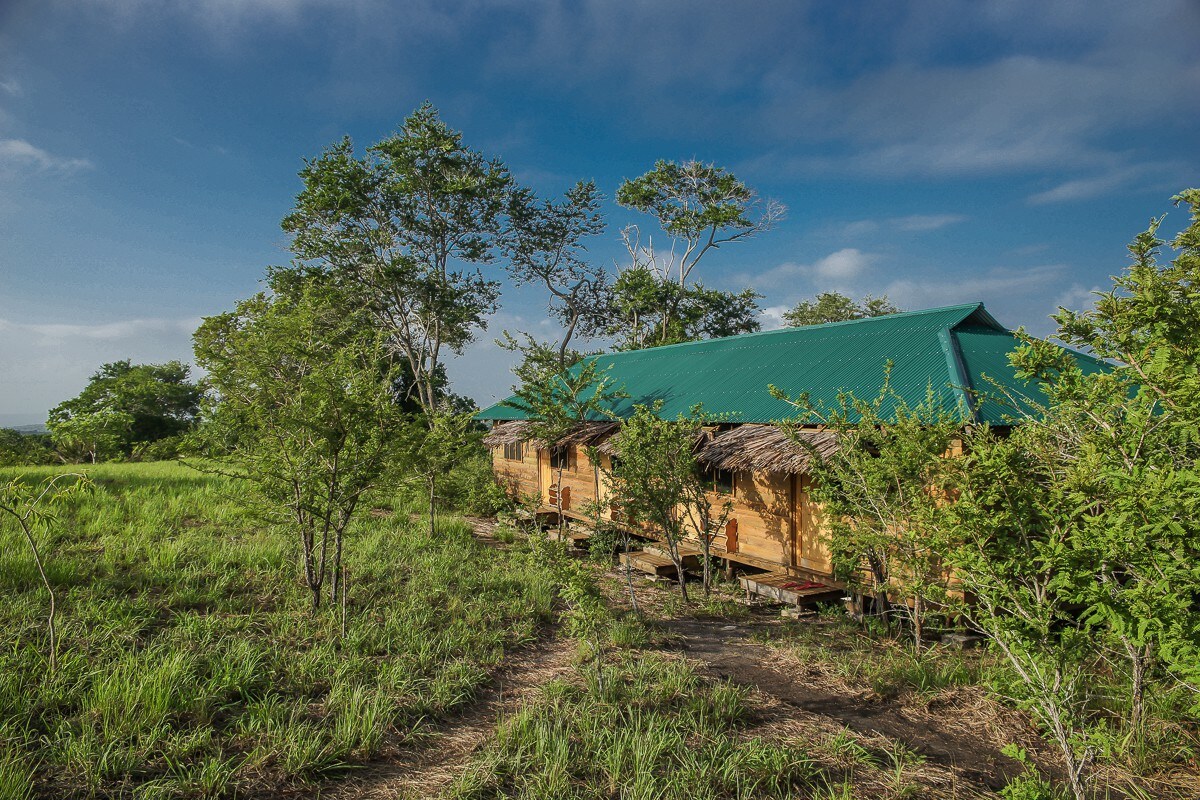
(882, 497)
(837, 307)
(403, 231)
(558, 404)
(29, 506)
(646, 311)
(544, 244)
(1124, 440)
(18, 448)
(434, 446)
(136, 403)
(699, 207)
(303, 413)
(1015, 563)
(660, 483)
(91, 435)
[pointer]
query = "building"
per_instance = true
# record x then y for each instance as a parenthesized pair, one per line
(960, 353)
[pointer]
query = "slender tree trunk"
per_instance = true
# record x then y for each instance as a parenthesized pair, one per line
(51, 627)
(558, 498)
(1139, 664)
(918, 623)
(629, 578)
(432, 506)
(335, 576)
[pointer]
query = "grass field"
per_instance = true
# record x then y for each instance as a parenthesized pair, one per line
(190, 665)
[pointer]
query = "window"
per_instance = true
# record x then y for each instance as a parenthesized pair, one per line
(720, 480)
(513, 452)
(560, 458)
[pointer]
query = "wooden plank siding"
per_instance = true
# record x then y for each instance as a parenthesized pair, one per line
(778, 524)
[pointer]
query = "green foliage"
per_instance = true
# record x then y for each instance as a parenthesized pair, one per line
(699, 207)
(91, 435)
(123, 406)
(188, 669)
(17, 448)
(837, 307)
(544, 245)
(399, 231)
(304, 414)
(432, 447)
(882, 497)
(648, 310)
(659, 482)
(1030, 785)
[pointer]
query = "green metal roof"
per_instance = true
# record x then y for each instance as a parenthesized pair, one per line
(960, 352)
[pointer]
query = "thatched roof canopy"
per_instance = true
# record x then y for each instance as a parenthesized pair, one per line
(766, 448)
(754, 447)
(589, 433)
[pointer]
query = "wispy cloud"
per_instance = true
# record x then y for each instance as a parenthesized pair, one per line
(55, 333)
(913, 223)
(11, 87)
(1082, 188)
(18, 153)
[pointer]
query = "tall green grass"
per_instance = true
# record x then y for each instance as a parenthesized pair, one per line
(190, 665)
(650, 728)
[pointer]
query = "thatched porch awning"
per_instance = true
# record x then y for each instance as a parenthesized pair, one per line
(754, 447)
(589, 433)
(766, 448)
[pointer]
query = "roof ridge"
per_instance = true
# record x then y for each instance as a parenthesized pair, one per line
(976, 306)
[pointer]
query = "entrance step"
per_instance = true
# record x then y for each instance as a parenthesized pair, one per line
(784, 588)
(650, 563)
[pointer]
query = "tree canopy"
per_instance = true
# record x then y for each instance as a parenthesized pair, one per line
(126, 405)
(837, 307)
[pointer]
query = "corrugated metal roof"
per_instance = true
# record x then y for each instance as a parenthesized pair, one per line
(948, 350)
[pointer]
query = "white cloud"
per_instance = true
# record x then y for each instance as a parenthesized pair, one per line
(1078, 298)
(926, 222)
(833, 271)
(53, 334)
(1081, 188)
(20, 153)
(11, 87)
(913, 223)
(927, 292)
(44, 363)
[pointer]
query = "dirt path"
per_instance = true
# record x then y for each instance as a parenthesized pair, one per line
(424, 770)
(725, 651)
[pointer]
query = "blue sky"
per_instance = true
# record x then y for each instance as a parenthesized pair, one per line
(940, 152)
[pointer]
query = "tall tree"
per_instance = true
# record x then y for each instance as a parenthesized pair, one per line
(303, 412)
(660, 483)
(404, 230)
(1125, 443)
(545, 244)
(699, 208)
(646, 311)
(129, 405)
(837, 307)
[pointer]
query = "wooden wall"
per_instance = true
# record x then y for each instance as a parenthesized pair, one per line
(779, 525)
(519, 478)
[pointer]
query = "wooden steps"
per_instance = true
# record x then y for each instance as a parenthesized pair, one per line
(784, 588)
(576, 538)
(651, 563)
